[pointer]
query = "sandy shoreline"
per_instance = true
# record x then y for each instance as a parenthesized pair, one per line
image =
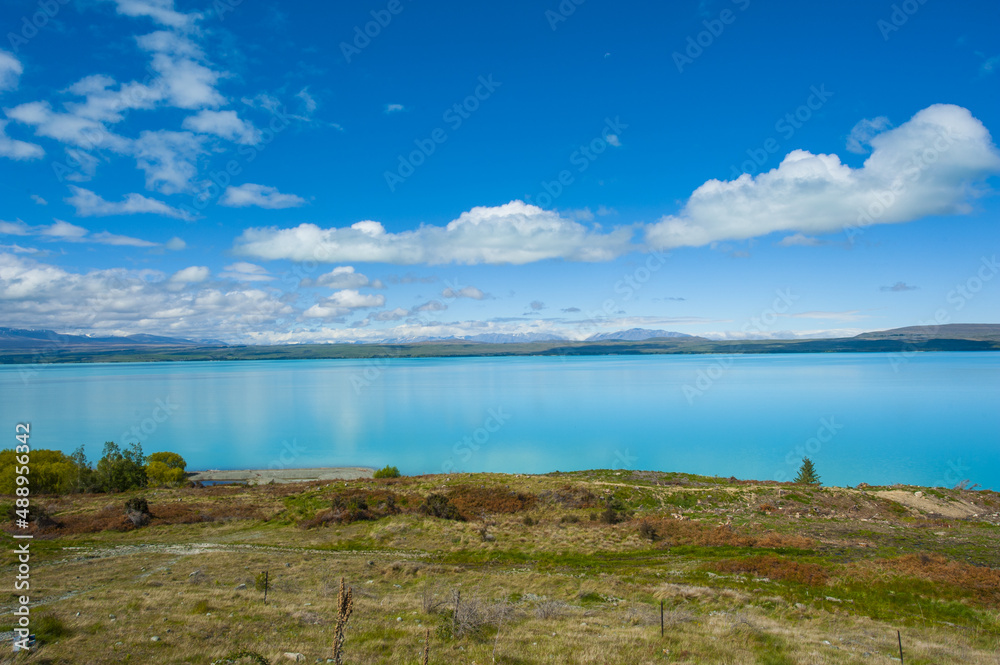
(264, 476)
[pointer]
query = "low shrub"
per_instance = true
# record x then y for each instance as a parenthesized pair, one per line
(474, 501)
(775, 568)
(387, 472)
(439, 505)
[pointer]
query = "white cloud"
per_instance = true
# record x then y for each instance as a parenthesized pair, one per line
(39, 200)
(260, 196)
(800, 240)
(169, 160)
(76, 130)
(161, 11)
(390, 315)
(614, 140)
(394, 108)
(859, 140)
(514, 233)
(224, 124)
(927, 166)
(63, 230)
(242, 271)
(190, 275)
(175, 244)
(89, 204)
(37, 295)
(464, 292)
(15, 149)
(343, 277)
(17, 228)
(307, 100)
(10, 71)
(342, 303)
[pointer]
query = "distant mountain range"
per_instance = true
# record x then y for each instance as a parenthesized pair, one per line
(19, 339)
(28, 346)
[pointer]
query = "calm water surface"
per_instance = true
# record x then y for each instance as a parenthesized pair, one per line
(934, 419)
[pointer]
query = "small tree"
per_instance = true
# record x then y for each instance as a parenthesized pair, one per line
(165, 468)
(807, 473)
(120, 470)
(387, 472)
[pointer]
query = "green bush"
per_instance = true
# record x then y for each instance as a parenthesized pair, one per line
(121, 470)
(387, 472)
(49, 471)
(158, 473)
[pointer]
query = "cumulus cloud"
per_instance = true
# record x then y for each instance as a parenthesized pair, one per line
(394, 108)
(514, 233)
(10, 71)
(342, 277)
(926, 166)
(39, 200)
(260, 196)
(224, 124)
(38, 295)
(465, 292)
(342, 303)
(190, 275)
(242, 271)
(89, 204)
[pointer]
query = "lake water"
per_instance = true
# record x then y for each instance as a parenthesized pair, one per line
(929, 419)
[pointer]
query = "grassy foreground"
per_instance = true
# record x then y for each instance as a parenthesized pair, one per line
(565, 568)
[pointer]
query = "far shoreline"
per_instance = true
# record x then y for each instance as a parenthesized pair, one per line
(281, 476)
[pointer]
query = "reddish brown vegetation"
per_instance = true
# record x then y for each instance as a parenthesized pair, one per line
(775, 568)
(982, 582)
(672, 532)
(569, 496)
(357, 505)
(472, 502)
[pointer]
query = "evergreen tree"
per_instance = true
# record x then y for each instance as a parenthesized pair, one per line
(807, 473)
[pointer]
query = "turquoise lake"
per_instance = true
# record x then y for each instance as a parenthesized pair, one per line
(928, 419)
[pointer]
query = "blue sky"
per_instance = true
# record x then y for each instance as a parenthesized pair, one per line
(268, 172)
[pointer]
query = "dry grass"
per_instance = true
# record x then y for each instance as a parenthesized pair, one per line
(552, 591)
